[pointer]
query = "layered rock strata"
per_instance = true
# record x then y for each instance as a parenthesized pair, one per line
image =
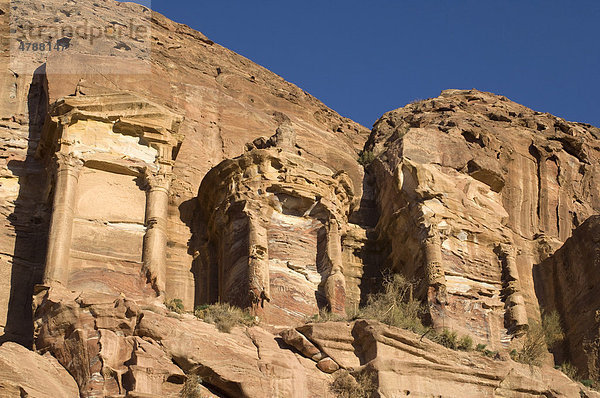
(400, 363)
(225, 99)
(117, 347)
(113, 346)
(473, 190)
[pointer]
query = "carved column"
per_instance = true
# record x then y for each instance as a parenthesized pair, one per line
(258, 264)
(335, 286)
(57, 269)
(155, 239)
(516, 312)
(434, 270)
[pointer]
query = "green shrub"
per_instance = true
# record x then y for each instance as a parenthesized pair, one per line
(480, 347)
(539, 337)
(448, 338)
(365, 158)
(345, 385)
(175, 305)
(465, 343)
(573, 373)
(570, 370)
(224, 316)
(395, 305)
(534, 346)
(588, 383)
(489, 353)
(553, 332)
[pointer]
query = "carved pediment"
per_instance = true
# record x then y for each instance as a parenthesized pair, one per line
(96, 121)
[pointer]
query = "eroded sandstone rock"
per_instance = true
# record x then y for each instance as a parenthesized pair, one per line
(114, 346)
(270, 230)
(473, 190)
(567, 282)
(402, 363)
(24, 373)
(226, 101)
(467, 192)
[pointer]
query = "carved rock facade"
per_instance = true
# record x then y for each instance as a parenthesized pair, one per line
(270, 229)
(113, 158)
(467, 194)
(226, 101)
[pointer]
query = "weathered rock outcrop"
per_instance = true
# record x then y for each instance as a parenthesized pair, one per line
(136, 173)
(114, 346)
(23, 373)
(225, 99)
(473, 190)
(270, 233)
(567, 282)
(401, 363)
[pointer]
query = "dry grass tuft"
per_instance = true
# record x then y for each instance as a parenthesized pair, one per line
(540, 337)
(395, 305)
(345, 385)
(224, 316)
(175, 305)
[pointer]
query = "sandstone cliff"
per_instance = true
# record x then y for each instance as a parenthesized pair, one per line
(224, 99)
(566, 282)
(473, 191)
(170, 170)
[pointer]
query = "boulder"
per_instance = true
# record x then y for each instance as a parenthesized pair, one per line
(25, 373)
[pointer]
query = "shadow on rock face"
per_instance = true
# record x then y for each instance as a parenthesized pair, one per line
(30, 220)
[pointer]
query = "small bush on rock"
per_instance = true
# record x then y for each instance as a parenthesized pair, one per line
(588, 383)
(570, 370)
(540, 337)
(395, 306)
(534, 346)
(490, 353)
(345, 385)
(175, 305)
(447, 338)
(365, 158)
(465, 343)
(191, 388)
(224, 316)
(553, 332)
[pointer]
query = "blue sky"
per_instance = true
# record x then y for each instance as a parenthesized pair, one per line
(365, 58)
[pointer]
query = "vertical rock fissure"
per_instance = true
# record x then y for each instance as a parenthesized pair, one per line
(537, 156)
(558, 198)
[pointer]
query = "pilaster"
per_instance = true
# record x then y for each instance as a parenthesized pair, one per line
(68, 168)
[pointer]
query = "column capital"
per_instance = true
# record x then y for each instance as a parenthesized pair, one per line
(157, 180)
(68, 161)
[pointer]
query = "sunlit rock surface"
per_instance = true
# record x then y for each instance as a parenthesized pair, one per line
(134, 174)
